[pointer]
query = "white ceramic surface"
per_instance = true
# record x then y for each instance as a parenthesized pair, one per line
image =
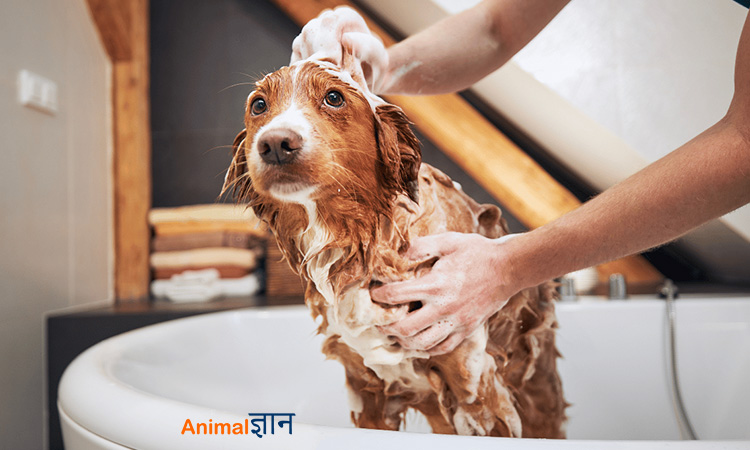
(136, 390)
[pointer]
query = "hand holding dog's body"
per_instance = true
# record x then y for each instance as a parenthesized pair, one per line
(467, 268)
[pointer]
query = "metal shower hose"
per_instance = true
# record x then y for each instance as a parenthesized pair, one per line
(669, 291)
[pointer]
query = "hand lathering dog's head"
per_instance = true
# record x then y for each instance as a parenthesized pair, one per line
(313, 135)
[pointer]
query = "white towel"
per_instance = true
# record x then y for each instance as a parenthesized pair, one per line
(204, 285)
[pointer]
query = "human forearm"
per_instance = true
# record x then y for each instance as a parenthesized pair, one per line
(474, 277)
(704, 179)
(460, 50)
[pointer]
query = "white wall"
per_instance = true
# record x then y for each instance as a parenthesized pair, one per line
(55, 195)
(655, 73)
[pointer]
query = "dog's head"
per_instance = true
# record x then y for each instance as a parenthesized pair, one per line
(312, 134)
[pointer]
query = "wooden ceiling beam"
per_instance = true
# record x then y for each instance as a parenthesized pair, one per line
(113, 21)
(123, 26)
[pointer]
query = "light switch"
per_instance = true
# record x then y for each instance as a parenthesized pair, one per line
(37, 92)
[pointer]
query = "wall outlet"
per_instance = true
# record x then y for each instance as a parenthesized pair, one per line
(37, 92)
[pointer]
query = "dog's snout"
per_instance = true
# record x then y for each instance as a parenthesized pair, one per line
(279, 146)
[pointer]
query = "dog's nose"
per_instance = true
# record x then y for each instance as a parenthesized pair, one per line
(279, 146)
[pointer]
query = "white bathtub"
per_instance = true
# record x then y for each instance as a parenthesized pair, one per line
(138, 389)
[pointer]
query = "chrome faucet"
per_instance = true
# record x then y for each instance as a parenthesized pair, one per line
(617, 288)
(568, 290)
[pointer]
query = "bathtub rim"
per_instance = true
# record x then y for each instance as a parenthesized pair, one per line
(83, 408)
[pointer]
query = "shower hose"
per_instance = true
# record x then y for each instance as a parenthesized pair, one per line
(669, 292)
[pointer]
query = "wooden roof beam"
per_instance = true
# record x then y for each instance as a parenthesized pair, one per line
(123, 27)
(113, 20)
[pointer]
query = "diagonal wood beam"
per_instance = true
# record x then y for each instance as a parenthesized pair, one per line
(132, 162)
(475, 144)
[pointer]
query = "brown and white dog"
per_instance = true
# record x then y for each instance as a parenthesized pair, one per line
(337, 175)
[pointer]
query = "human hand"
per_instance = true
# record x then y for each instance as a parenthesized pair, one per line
(461, 291)
(339, 33)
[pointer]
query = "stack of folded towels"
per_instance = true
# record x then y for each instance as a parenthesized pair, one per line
(203, 252)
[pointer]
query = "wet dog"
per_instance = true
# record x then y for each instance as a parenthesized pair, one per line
(337, 176)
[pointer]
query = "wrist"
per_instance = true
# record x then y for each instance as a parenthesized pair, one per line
(382, 86)
(505, 260)
(400, 76)
(385, 85)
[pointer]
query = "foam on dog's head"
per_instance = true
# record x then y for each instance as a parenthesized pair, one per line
(340, 42)
(351, 75)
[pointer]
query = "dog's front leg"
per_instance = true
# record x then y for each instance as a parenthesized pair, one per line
(370, 406)
(472, 393)
(373, 409)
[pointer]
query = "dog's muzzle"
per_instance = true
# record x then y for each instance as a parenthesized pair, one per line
(279, 146)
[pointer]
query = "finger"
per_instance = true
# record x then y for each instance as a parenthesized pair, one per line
(354, 67)
(319, 38)
(436, 245)
(297, 50)
(347, 19)
(369, 51)
(447, 346)
(427, 338)
(400, 292)
(365, 46)
(305, 44)
(414, 323)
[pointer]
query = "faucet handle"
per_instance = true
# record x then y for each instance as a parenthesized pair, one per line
(568, 289)
(668, 289)
(617, 287)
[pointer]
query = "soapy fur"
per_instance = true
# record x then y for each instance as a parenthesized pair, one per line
(343, 213)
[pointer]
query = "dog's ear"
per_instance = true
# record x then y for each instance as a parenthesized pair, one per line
(491, 222)
(235, 179)
(399, 150)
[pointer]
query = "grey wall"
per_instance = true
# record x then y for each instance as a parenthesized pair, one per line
(203, 54)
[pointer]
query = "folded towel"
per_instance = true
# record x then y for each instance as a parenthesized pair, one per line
(203, 240)
(192, 227)
(224, 271)
(203, 257)
(197, 213)
(205, 218)
(204, 285)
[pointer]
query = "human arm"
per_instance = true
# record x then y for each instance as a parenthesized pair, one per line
(448, 56)
(459, 50)
(703, 179)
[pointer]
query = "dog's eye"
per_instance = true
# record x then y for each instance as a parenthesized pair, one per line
(334, 98)
(258, 106)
